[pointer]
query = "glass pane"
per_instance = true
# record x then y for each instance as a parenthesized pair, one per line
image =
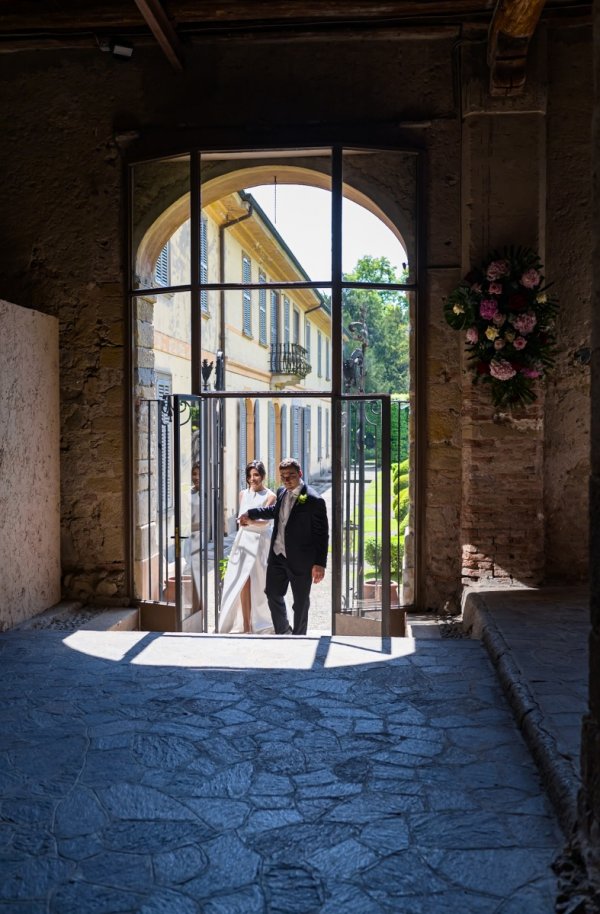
(271, 339)
(229, 433)
(379, 216)
(376, 341)
(363, 543)
(162, 368)
(402, 492)
(193, 445)
(161, 223)
(267, 216)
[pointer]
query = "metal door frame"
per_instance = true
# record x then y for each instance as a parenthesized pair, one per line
(337, 285)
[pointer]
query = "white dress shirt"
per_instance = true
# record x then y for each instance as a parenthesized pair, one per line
(287, 503)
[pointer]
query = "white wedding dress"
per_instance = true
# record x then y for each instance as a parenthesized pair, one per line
(248, 559)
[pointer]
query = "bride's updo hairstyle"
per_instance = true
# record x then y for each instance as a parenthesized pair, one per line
(257, 465)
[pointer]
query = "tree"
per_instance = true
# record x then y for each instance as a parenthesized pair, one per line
(384, 312)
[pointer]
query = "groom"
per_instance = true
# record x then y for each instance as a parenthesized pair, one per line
(298, 553)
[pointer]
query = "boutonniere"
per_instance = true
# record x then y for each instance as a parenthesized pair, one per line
(302, 498)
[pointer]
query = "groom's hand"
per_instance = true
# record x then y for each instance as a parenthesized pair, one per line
(318, 573)
(243, 520)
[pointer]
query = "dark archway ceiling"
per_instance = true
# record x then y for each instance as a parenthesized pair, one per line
(27, 24)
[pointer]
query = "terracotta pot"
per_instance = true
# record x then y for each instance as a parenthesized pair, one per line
(169, 591)
(372, 591)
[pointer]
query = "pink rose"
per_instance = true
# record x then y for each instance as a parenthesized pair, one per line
(530, 278)
(499, 344)
(501, 370)
(495, 288)
(531, 373)
(498, 319)
(472, 335)
(520, 343)
(496, 269)
(524, 323)
(488, 308)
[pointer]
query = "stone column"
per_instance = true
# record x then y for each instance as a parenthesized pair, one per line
(503, 180)
(589, 798)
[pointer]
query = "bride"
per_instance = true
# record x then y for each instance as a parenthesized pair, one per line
(244, 606)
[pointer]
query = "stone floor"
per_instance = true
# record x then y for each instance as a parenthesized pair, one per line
(537, 640)
(239, 775)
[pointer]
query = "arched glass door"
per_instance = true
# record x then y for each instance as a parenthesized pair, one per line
(239, 352)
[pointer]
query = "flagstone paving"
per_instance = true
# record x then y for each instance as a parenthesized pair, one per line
(234, 775)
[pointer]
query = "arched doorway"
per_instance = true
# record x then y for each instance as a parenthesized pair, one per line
(239, 321)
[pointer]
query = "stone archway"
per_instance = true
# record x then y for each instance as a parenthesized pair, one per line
(162, 213)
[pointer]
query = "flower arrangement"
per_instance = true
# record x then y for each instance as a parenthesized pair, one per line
(505, 309)
(302, 499)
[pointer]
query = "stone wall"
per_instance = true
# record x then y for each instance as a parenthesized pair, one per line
(524, 501)
(568, 251)
(588, 832)
(29, 464)
(63, 206)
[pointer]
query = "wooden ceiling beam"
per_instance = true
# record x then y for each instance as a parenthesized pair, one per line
(90, 15)
(160, 26)
(512, 27)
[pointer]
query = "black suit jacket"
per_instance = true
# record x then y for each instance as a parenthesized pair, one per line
(306, 531)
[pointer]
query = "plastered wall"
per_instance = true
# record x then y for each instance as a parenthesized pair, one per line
(29, 464)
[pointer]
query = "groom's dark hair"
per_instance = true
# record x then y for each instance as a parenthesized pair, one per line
(290, 462)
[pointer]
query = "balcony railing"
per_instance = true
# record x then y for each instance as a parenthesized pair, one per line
(289, 359)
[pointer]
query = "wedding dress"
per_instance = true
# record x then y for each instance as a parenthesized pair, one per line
(248, 559)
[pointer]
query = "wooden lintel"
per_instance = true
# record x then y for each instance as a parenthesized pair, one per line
(160, 26)
(19, 16)
(513, 24)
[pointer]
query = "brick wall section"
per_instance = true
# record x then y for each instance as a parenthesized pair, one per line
(502, 525)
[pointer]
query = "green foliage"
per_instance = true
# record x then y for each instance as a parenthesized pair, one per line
(385, 314)
(400, 482)
(223, 567)
(373, 552)
(400, 504)
(398, 468)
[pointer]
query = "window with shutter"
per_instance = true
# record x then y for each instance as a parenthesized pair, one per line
(274, 318)
(242, 452)
(286, 321)
(204, 263)
(296, 326)
(306, 435)
(319, 433)
(162, 271)
(307, 339)
(247, 295)
(284, 433)
(327, 374)
(327, 433)
(257, 451)
(262, 311)
(271, 469)
(295, 439)
(319, 352)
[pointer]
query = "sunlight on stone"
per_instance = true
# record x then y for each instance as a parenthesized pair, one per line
(237, 652)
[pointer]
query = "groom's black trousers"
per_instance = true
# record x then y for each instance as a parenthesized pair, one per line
(279, 576)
